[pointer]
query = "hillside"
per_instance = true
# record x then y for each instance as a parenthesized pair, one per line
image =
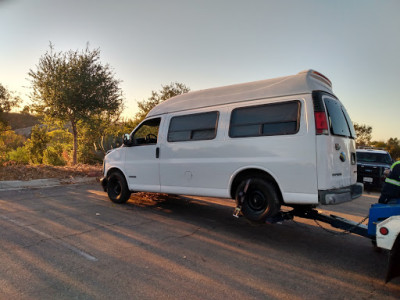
(18, 120)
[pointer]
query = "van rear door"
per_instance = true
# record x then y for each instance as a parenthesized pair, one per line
(336, 154)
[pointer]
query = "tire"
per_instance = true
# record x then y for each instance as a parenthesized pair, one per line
(117, 188)
(260, 201)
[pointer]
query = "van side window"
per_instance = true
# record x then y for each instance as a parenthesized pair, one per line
(194, 127)
(147, 133)
(263, 120)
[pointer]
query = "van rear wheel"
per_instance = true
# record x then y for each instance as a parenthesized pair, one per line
(117, 188)
(260, 201)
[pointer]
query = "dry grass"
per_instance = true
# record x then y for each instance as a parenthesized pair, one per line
(29, 172)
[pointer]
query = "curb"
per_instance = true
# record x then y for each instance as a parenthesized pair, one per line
(10, 185)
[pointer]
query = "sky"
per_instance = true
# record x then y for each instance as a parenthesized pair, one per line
(210, 43)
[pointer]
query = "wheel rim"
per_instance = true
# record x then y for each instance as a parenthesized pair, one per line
(257, 201)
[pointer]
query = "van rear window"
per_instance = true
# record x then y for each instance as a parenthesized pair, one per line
(265, 120)
(339, 121)
(193, 127)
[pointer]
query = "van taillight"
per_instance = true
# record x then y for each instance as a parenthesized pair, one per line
(321, 122)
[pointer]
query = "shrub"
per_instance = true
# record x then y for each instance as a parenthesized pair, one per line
(37, 144)
(53, 156)
(19, 155)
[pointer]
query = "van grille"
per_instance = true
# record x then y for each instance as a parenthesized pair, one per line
(369, 171)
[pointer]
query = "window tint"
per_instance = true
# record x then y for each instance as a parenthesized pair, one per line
(339, 121)
(147, 133)
(270, 119)
(193, 127)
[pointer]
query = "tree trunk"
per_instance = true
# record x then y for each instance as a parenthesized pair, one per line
(75, 133)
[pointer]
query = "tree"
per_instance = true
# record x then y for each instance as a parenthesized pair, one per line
(75, 87)
(166, 92)
(7, 102)
(26, 110)
(363, 134)
(393, 147)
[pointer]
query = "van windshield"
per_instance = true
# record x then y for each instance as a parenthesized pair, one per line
(371, 157)
(339, 120)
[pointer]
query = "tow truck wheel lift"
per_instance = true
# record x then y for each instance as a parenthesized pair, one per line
(383, 228)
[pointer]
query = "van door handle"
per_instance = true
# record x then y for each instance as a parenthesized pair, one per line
(158, 152)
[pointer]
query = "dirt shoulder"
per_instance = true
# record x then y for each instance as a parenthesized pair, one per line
(28, 172)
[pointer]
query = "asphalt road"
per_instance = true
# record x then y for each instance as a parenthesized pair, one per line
(72, 242)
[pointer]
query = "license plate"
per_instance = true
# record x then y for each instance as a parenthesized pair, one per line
(368, 179)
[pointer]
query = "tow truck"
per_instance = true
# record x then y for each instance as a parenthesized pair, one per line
(383, 227)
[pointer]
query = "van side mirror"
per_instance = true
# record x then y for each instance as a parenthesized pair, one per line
(127, 140)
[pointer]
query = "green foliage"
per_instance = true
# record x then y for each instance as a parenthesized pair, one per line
(53, 155)
(52, 148)
(88, 135)
(364, 134)
(60, 143)
(37, 144)
(9, 141)
(19, 155)
(101, 135)
(60, 136)
(75, 87)
(166, 92)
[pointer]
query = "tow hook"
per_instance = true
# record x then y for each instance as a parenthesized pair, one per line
(242, 195)
(237, 211)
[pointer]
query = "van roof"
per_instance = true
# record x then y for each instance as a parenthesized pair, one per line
(301, 83)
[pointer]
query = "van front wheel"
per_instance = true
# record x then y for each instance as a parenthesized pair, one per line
(117, 188)
(259, 202)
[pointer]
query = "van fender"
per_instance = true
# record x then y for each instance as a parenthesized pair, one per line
(111, 169)
(115, 168)
(245, 171)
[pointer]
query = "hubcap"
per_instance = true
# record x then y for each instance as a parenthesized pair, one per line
(257, 201)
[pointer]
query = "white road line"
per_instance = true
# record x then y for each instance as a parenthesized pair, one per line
(61, 242)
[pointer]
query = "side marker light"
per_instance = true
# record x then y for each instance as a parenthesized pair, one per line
(383, 231)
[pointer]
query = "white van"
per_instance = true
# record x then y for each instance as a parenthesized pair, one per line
(284, 141)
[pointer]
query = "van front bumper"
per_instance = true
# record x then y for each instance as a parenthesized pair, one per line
(337, 196)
